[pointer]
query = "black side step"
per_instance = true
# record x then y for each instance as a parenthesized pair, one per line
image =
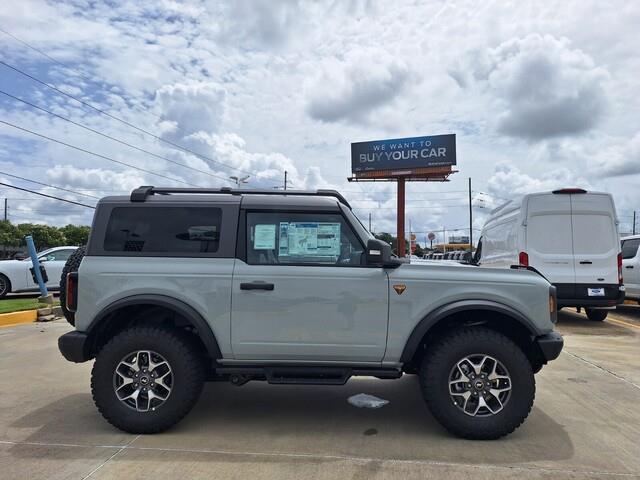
(295, 375)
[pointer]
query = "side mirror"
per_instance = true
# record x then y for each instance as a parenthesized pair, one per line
(379, 254)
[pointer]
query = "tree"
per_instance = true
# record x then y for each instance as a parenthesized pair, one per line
(44, 236)
(419, 252)
(76, 234)
(9, 234)
(393, 241)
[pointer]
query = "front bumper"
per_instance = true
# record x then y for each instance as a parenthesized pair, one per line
(550, 345)
(73, 346)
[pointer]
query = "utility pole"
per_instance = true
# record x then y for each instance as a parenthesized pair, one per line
(285, 179)
(470, 220)
(634, 216)
(444, 239)
(400, 210)
(369, 221)
(5, 211)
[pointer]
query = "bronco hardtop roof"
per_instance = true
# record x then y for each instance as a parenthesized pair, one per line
(142, 193)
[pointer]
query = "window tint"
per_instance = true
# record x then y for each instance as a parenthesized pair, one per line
(301, 238)
(630, 247)
(178, 230)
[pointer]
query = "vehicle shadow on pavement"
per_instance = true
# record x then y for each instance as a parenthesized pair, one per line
(571, 322)
(306, 420)
(71, 420)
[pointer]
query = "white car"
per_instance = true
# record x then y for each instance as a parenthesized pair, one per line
(631, 266)
(15, 275)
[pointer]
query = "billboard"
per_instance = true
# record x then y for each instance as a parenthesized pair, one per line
(405, 153)
(459, 239)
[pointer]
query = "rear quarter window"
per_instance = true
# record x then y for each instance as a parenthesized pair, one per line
(630, 247)
(186, 231)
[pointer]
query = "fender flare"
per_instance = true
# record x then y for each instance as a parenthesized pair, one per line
(186, 311)
(433, 317)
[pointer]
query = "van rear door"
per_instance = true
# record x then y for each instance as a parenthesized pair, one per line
(549, 242)
(595, 241)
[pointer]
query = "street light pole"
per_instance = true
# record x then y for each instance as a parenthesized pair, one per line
(240, 180)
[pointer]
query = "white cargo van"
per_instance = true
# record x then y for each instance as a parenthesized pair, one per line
(631, 266)
(570, 236)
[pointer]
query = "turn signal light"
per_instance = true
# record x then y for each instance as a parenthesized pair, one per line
(552, 304)
(523, 259)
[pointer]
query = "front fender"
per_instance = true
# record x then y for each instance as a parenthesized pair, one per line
(431, 319)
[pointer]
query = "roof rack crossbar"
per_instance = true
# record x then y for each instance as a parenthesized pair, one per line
(140, 194)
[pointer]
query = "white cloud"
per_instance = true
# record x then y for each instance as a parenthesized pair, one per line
(353, 88)
(191, 108)
(542, 86)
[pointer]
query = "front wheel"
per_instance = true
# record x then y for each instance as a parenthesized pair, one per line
(596, 315)
(5, 286)
(147, 378)
(477, 383)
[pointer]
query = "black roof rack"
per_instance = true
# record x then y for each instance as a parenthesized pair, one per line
(140, 194)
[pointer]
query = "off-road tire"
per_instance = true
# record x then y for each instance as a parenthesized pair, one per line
(437, 365)
(596, 315)
(187, 364)
(72, 265)
(7, 286)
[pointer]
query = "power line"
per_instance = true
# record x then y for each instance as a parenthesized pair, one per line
(96, 154)
(48, 185)
(131, 125)
(48, 196)
(68, 67)
(113, 138)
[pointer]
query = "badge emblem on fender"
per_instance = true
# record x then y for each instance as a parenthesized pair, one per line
(400, 288)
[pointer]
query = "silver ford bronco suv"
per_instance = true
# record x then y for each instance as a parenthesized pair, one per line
(180, 286)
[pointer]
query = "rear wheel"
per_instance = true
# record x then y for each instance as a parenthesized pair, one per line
(477, 383)
(596, 315)
(147, 378)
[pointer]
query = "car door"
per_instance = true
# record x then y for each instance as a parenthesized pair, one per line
(54, 262)
(631, 266)
(302, 291)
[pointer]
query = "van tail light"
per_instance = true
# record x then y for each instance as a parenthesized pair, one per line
(71, 291)
(523, 259)
(620, 281)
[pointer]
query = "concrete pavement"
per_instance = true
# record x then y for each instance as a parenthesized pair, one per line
(585, 422)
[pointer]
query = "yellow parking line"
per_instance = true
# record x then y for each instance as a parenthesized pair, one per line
(622, 323)
(17, 318)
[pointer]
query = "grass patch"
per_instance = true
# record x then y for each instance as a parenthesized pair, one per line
(20, 304)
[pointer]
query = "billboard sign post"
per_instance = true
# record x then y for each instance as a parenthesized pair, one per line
(403, 160)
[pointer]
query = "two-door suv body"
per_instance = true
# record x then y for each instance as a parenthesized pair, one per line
(180, 286)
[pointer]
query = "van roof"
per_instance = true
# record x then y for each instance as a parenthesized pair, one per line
(519, 200)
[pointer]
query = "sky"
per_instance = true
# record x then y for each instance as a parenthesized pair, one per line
(540, 95)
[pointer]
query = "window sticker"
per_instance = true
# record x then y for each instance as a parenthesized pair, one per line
(309, 239)
(264, 237)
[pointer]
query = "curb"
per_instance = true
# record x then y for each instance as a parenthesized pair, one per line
(18, 318)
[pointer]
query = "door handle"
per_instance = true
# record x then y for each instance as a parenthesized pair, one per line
(256, 286)
(586, 262)
(629, 266)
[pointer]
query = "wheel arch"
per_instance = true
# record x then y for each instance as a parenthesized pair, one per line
(134, 308)
(467, 313)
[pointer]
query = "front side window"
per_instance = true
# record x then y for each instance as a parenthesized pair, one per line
(630, 247)
(164, 230)
(58, 255)
(301, 238)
